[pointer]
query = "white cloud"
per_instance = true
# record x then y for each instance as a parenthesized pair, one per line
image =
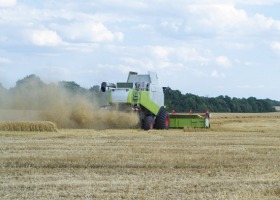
(225, 19)
(123, 4)
(123, 68)
(5, 60)
(128, 60)
(276, 47)
(45, 38)
(266, 23)
(199, 39)
(216, 74)
(99, 33)
(141, 63)
(238, 46)
(177, 55)
(258, 2)
(91, 32)
(7, 3)
(3, 38)
(142, 27)
(81, 47)
(160, 52)
(199, 73)
(247, 86)
(160, 57)
(191, 55)
(223, 61)
(218, 17)
(172, 24)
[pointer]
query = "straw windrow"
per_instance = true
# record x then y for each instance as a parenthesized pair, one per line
(36, 126)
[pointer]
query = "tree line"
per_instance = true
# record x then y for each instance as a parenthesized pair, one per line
(174, 100)
(179, 102)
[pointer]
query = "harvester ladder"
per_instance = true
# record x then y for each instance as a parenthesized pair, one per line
(136, 97)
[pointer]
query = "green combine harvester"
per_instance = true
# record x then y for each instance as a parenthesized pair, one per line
(143, 94)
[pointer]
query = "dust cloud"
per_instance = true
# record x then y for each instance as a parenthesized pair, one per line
(36, 101)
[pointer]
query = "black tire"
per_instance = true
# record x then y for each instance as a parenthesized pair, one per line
(148, 123)
(162, 120)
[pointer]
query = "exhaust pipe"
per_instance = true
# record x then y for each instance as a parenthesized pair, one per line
(103, 86)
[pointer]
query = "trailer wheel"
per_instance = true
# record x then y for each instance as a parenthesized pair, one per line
(148, 123)
(162, 120)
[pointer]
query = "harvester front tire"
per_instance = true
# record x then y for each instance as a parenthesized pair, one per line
(148, 123)
(162, 120)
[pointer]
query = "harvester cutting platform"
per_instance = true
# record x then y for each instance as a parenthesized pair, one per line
(142, 93)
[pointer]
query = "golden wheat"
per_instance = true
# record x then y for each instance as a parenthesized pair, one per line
(236, 159)
(41, 126)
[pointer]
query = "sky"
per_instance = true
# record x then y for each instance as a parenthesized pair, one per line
(204, 47)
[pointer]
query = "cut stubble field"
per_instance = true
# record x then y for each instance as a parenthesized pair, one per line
(237, 158)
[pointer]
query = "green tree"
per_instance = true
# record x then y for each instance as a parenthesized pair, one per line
(95, 88)
(71, 86)
(30, 82)
(4, 99)
(174, 99)
(25, 95)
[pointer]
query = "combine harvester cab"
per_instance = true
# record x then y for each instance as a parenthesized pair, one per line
(143, 94)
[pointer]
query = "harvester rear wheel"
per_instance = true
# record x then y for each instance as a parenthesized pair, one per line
(162, 120)
(148, 123)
